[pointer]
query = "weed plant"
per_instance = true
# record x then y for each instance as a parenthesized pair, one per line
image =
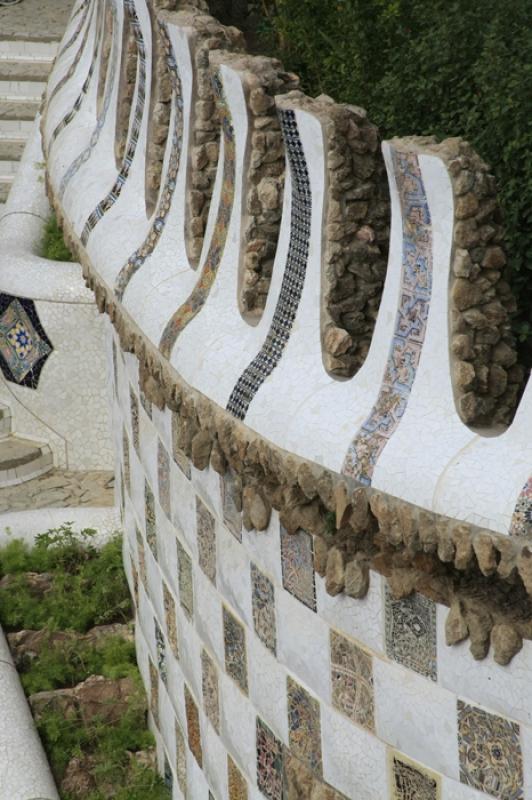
(54, 246)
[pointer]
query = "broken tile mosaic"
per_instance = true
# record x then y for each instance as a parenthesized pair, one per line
(142, 560)
(304, 727)
(411, 781)
(297, 561)
(180, 758)
(24, 345)
(236, 783)
(231, 491)
(206, 535)
(235, 649)
(410, 631)
(489, 750)
(151, 527)
(209, 684)
(178, 455)
(134, 405)
(160, 648)
(269, 762)
(135, 579)
(193, 727)
(170, 612)
(352, 680)
(163, 478)
(154, 692)
(263, 608)
(186, 586)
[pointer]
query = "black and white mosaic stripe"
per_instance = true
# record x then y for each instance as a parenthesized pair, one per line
(293, 279)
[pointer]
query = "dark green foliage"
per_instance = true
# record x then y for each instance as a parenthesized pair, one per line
(445, 67)
(54, 246)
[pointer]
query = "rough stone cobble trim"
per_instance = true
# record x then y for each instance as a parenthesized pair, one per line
(127, 81)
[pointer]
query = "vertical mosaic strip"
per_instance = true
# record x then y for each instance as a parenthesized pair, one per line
(24, 345)
(489, 750)
(293, 281)
(142, 560)
(352, 681)
(194, 303)
(209, 685)
(163, 478)
(410, 323)
(304, 726)
(237, 786)
(154, 692)
(75, 61)
(411, 781)
(125, 460)
(297, 562)
(178, 455)
(410, 631)
(110, 199)
(186, 585)
(231, 491)
(206, 534)
(269, 762)
(82, 11)
(160, 647)
(235, 650)
(180, 758)
(263, 608)
(140, 255)
(521, 524)
(151, 527)
(193, 727)
(135, 430)
(170, 613)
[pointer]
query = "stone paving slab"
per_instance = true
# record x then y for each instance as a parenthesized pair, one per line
(60, 489)
(35, 20)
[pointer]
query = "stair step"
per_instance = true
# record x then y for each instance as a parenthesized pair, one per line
(21, 90)
(5, 412)
(21, 460)
(11, 149)
(27, 51)
(15, 129)
(19, 109)
(16, 70)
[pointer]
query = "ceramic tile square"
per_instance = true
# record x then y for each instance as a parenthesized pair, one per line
(206, 533)
(151, 527)
(161, 651)
(231, 503)
(24, 345)
(178, 455)
(154, 692)
(170, 612)
(304, 727)
(180, 758)
(125, 461)
(236, 783)
(134, 405)
(193, 727)
(269, 762)
(263, 608)
(297, 560)
(186, 585)
(209, 684)
(490, 755)
(235, 650)
(142, 559)
(352, 681)
(412, 781)
(410, 631)
(163, 478)
(168, 775)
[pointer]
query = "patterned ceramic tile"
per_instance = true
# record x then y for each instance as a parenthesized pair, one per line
(75, 61)
(82, 12)
(235, 650)
(297, 561)
(125, 460)
(352, 681)
(151, 526)
(410, 323)
(230, 506)
(269, 762)
(193, 727)
(142, 559)
(163, 478)
(410, 781)
(195, 301)
(140, 255)
(304, 727)
(160, 647)
(263, 608)
(186, 584)
(206, 533)
(154, 692)
(301, 783)
(178, 455)
(521, 524)
(112, 196)
(168, 776)
(180, 758)
(236, 783)
(209, 684)
(134, 406)
(24, 345)
(170, 612)
(293, 279)
(490, 755)
(410, 628)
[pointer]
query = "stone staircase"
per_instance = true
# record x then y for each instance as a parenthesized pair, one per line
(21, 460)
(24, 70)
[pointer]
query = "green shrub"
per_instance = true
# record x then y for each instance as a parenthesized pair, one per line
(54, 246)
(445, 67)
